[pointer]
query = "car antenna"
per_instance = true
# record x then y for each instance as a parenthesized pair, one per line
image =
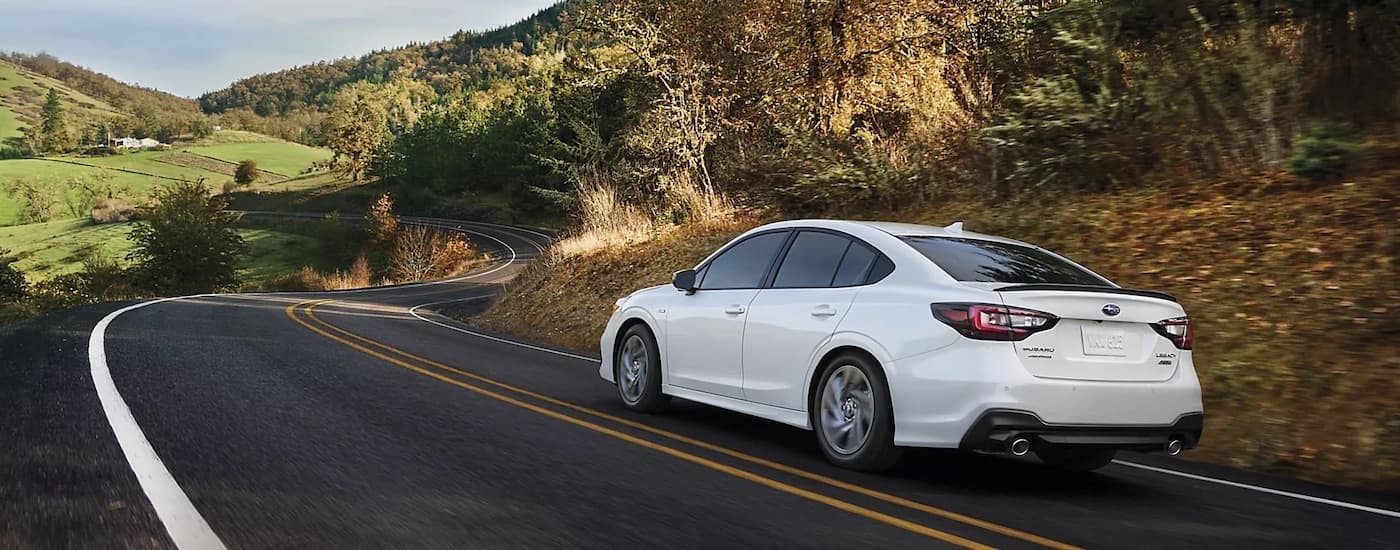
(955, 227)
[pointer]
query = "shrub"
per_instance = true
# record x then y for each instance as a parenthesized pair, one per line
(380, 222)
(806, 175)
(1325, 151)
(113, 211)
(185, 243)
(246, 173)
(422, 253)
(12, 283)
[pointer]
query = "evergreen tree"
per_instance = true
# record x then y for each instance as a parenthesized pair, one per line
(53, 128)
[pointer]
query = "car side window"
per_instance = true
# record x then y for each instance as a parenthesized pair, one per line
(812, 260)
(743, 265)
(854, 267)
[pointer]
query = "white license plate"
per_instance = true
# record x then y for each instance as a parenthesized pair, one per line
(1104, 341)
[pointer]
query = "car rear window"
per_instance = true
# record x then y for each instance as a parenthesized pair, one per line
(978, 261)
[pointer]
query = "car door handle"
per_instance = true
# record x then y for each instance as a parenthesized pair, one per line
(823, 311)
(735, 310)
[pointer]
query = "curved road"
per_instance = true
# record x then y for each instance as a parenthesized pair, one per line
(363, 419)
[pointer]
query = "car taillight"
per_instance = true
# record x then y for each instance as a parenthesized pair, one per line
(992, 322)
(1179, 330)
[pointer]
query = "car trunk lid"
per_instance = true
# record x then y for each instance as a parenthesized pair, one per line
(1103, 333)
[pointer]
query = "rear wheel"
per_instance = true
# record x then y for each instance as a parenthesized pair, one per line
(637, 370)
(852, 415)
(1076, 460)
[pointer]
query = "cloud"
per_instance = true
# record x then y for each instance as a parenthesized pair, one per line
(188, 47)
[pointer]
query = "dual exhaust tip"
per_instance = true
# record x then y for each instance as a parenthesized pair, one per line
(1020, 446)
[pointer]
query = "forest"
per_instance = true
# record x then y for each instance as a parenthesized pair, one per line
(832, 106)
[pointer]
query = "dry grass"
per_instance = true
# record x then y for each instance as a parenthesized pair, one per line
(607, 221)
(1293, 290)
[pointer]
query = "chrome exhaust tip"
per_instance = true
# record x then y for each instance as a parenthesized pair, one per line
(1174, 447)
(1020, 446)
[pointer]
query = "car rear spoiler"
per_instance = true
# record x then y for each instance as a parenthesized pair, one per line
(1089, 288)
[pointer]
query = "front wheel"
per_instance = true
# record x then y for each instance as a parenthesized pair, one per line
(1076, 460)
(852, 415)
(637, 370)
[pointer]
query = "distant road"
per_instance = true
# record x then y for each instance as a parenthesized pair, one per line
(363, 419)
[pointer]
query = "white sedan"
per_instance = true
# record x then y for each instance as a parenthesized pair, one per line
(880, 336)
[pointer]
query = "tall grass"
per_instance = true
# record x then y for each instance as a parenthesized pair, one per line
(608, 220)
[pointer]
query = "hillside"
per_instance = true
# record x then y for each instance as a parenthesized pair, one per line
(22, 97)
(466, 61)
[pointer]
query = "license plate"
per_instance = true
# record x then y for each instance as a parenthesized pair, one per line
(1104, 341)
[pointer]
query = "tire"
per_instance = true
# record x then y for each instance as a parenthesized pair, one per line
(852, 415)
(1076, 460)
(637, 370)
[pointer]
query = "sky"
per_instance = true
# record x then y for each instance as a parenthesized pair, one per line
(188, 47)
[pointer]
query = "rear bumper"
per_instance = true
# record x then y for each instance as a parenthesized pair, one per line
(996, 429)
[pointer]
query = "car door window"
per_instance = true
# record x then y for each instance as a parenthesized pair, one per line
(854, 266)
(743, 265)
(812, 260)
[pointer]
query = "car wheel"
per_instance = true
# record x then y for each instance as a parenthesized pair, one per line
(1076, 460)
(852, 415)
(637, 370)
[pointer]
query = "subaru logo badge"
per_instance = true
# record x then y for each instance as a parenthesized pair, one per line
(1112, 310)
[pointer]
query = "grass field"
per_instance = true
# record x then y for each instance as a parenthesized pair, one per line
(281, 157)
(47, 250)
(286, 158)
(58, 174)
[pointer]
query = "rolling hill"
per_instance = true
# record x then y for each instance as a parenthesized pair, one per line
(22, 96)
(465, 61)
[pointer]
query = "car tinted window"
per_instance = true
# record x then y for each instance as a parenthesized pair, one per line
(854, 266)
(974, 260)
(744, 264)
(883, 268)
(812, 260)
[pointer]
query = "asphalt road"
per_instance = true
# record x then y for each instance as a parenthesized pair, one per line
(360, 420)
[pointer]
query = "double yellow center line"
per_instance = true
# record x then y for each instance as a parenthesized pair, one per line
(304, 314)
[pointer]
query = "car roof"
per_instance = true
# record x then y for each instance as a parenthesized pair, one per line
(897, 229)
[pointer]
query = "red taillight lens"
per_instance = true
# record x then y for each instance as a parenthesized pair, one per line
(992, 322)
(1180, 330)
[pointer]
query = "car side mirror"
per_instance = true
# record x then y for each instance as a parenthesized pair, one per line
(684, 280)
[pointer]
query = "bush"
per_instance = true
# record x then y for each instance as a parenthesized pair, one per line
(1325, 151)
(113, 211)
(12, 283)
(812, 176)
(421, 253)
(246, 173)
(185, 243)
(380, 222)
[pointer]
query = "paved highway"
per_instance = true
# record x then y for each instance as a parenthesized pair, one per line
(363, 419)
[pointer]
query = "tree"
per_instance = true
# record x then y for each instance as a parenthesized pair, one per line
(185, 242)
(38, 198)
(365, 118)
(380, 222)
(246, 173)
(12, 283)
(53, 128)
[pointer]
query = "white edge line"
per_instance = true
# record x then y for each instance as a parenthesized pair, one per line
(187, 529)
(1319, 500)
(182, 521)
(414, 312)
